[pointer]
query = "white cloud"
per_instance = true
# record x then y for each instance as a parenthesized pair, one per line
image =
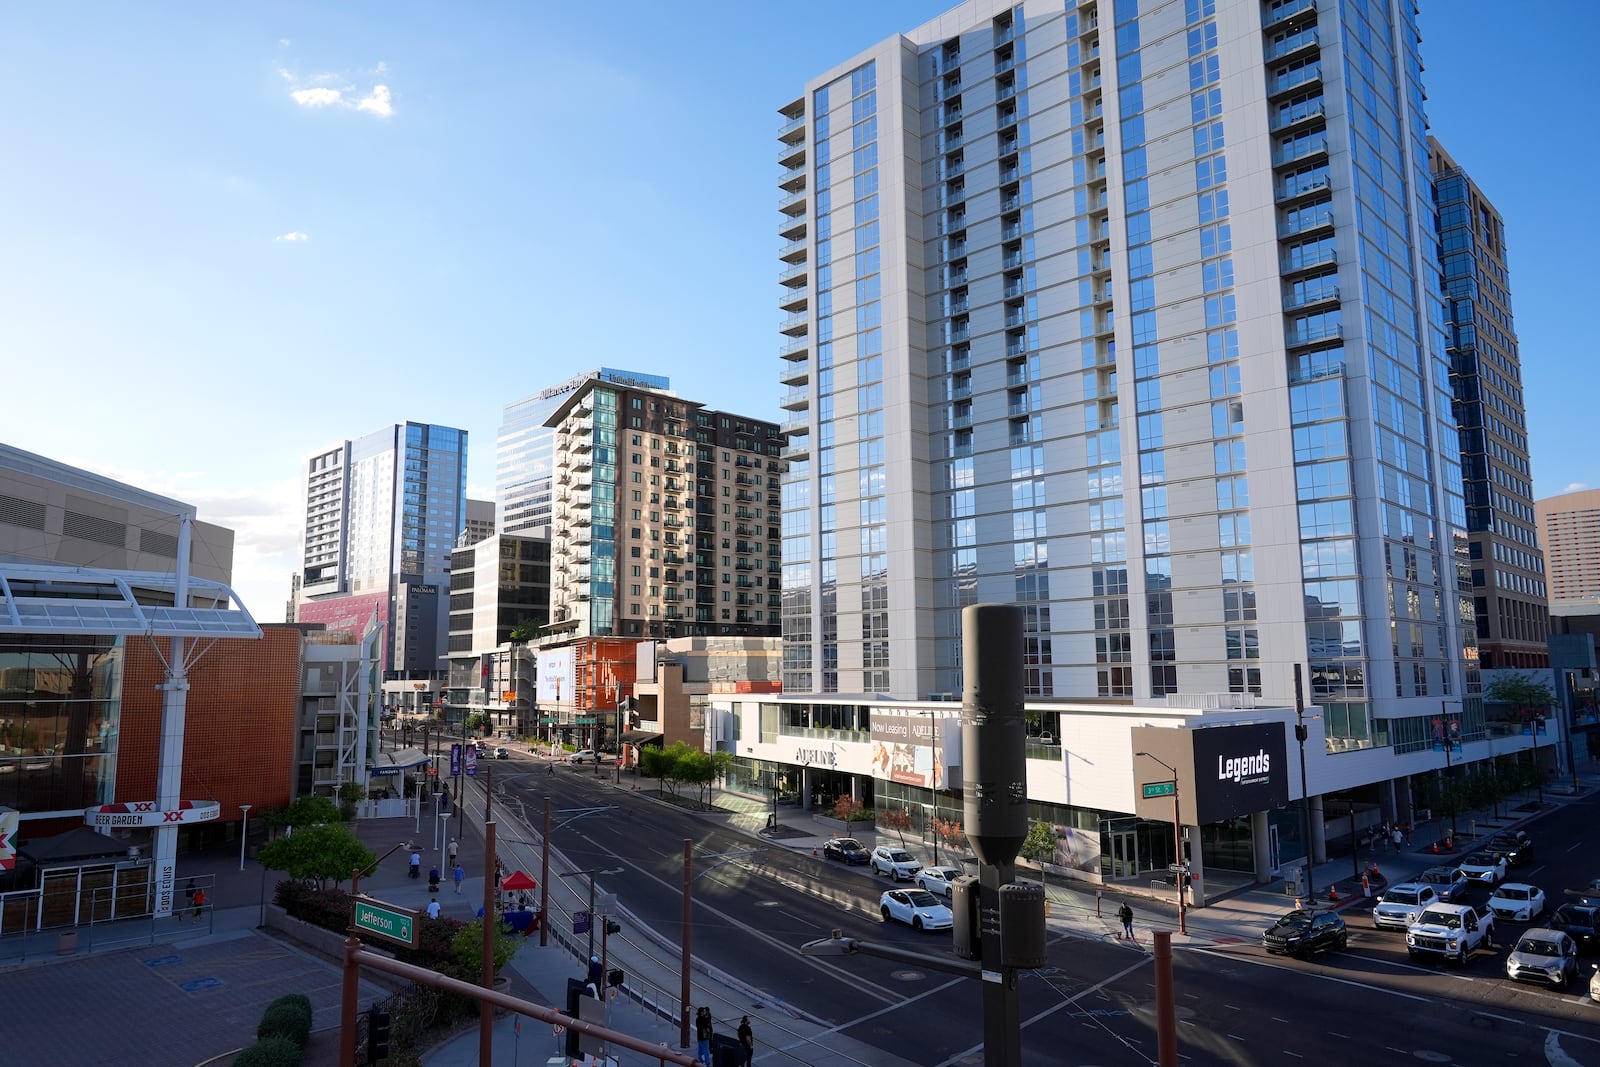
(317, 97)
(377, 102)
(294, 235)
(283, 42)
(1575, 487)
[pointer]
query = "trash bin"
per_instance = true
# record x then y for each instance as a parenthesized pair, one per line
(67, 943)
(725, 1051)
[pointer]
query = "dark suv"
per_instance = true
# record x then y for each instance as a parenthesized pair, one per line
(1581, 922)
(846, 848)
(1515, 845)
(1301, 933)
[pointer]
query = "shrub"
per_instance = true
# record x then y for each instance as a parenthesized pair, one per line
(269, 1052)
(289, 1016)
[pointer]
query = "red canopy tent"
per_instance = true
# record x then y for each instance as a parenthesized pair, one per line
(517, 880)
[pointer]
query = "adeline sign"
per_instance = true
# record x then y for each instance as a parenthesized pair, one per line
(147, 813)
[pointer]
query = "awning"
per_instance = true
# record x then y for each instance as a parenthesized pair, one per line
(640, 737)
(390, 763)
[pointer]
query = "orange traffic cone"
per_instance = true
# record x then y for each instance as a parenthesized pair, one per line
(1366, 887)
(813, 850)
(1333, 894)
(1435, 847)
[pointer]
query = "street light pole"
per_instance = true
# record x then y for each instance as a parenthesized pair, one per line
(244, 831)
(1305, 787)
(1177, 839)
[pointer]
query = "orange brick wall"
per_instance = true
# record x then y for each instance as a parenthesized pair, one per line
(240, 729)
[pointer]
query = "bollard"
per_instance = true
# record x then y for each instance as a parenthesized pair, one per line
(1097, 895)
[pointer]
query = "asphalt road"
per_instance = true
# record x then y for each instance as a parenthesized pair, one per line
(754, 905)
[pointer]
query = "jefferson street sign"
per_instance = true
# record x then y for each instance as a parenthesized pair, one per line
(385, 920)
(1159, 789)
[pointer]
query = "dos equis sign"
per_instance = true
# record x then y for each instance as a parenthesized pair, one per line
(1239, 770)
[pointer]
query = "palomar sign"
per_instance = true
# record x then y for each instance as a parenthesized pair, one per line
(1239, 770)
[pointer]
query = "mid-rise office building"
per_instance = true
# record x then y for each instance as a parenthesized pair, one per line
(665, 519)
(1128, 313)
(499, 586)
(524, 462)
(383, 513)
(1508, 586)
(1569, 530)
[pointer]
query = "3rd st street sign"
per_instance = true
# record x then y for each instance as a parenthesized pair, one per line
(385, 920)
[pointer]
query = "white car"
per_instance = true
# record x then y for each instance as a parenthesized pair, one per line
(939, 880)
(1486, 867)
(917, 908)
(895, 862)
(1401, 904)
(1517, 901)
(583, 755)
(1594, 985)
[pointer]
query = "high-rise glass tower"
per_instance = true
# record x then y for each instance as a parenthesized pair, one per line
(1127, 313)
(526, 447)
(382, 515)
(1508, 585)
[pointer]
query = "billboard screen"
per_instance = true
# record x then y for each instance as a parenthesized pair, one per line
(558, 670)
(1239, 770)
(645, 662)
(912, 748)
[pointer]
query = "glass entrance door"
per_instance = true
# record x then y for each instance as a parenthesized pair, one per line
(1124, 854)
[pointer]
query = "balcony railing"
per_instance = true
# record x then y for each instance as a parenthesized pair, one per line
(1288, 46)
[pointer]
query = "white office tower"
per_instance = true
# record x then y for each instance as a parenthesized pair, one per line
(1127, 313)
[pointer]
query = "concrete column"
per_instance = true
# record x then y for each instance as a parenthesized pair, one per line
(1317, 847)
(1387, 806)
(805, 788)
(1403, 806)
(1197, 867)
(1259, 852)
(855, 788)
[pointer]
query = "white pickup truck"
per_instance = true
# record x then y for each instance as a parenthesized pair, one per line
(1450, 931)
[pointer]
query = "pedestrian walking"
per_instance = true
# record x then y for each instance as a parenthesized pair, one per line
(703, 1030)
(1398, 837)
(199, 902)
(595, 970)
(433, 879)
(458, 874)
(433, 908)
(453, 848)
(416, 864)
(747, 1041)
(188, 894)
(1125, 916)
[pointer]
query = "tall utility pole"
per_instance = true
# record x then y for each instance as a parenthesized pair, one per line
(1305, 789)
(1180, 868)
(687, 955)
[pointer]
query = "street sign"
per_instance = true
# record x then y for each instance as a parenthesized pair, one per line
(386, 920)
(581, 922)
(1160, 789)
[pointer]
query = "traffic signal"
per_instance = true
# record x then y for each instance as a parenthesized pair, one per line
(377, 1035)
(614, 979)
(613, 927)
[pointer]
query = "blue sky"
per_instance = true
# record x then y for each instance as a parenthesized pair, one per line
(233, 234)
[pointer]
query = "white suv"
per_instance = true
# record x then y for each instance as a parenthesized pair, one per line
(895, 862)
(1401, 904)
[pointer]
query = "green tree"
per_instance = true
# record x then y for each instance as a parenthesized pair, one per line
(655, 763)
(720, 762)
(310, 811)
(350, 793)
(1530, 701)
(1040, 845)
(690, 766)
(316, 854)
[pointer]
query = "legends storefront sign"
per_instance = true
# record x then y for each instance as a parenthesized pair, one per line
(1239, 770)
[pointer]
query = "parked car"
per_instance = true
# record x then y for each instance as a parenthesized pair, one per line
(1448, 882)
(1581, 922)
(1517, 902)
(917, 908)
(895, 862)
(1515, 845)
(1302, 933)
(501, 752)
(1486, 867)
(1594, 985)
(1401, 904)
(1547, 956)
(848, 849)
(586, 755)
(939, 880)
